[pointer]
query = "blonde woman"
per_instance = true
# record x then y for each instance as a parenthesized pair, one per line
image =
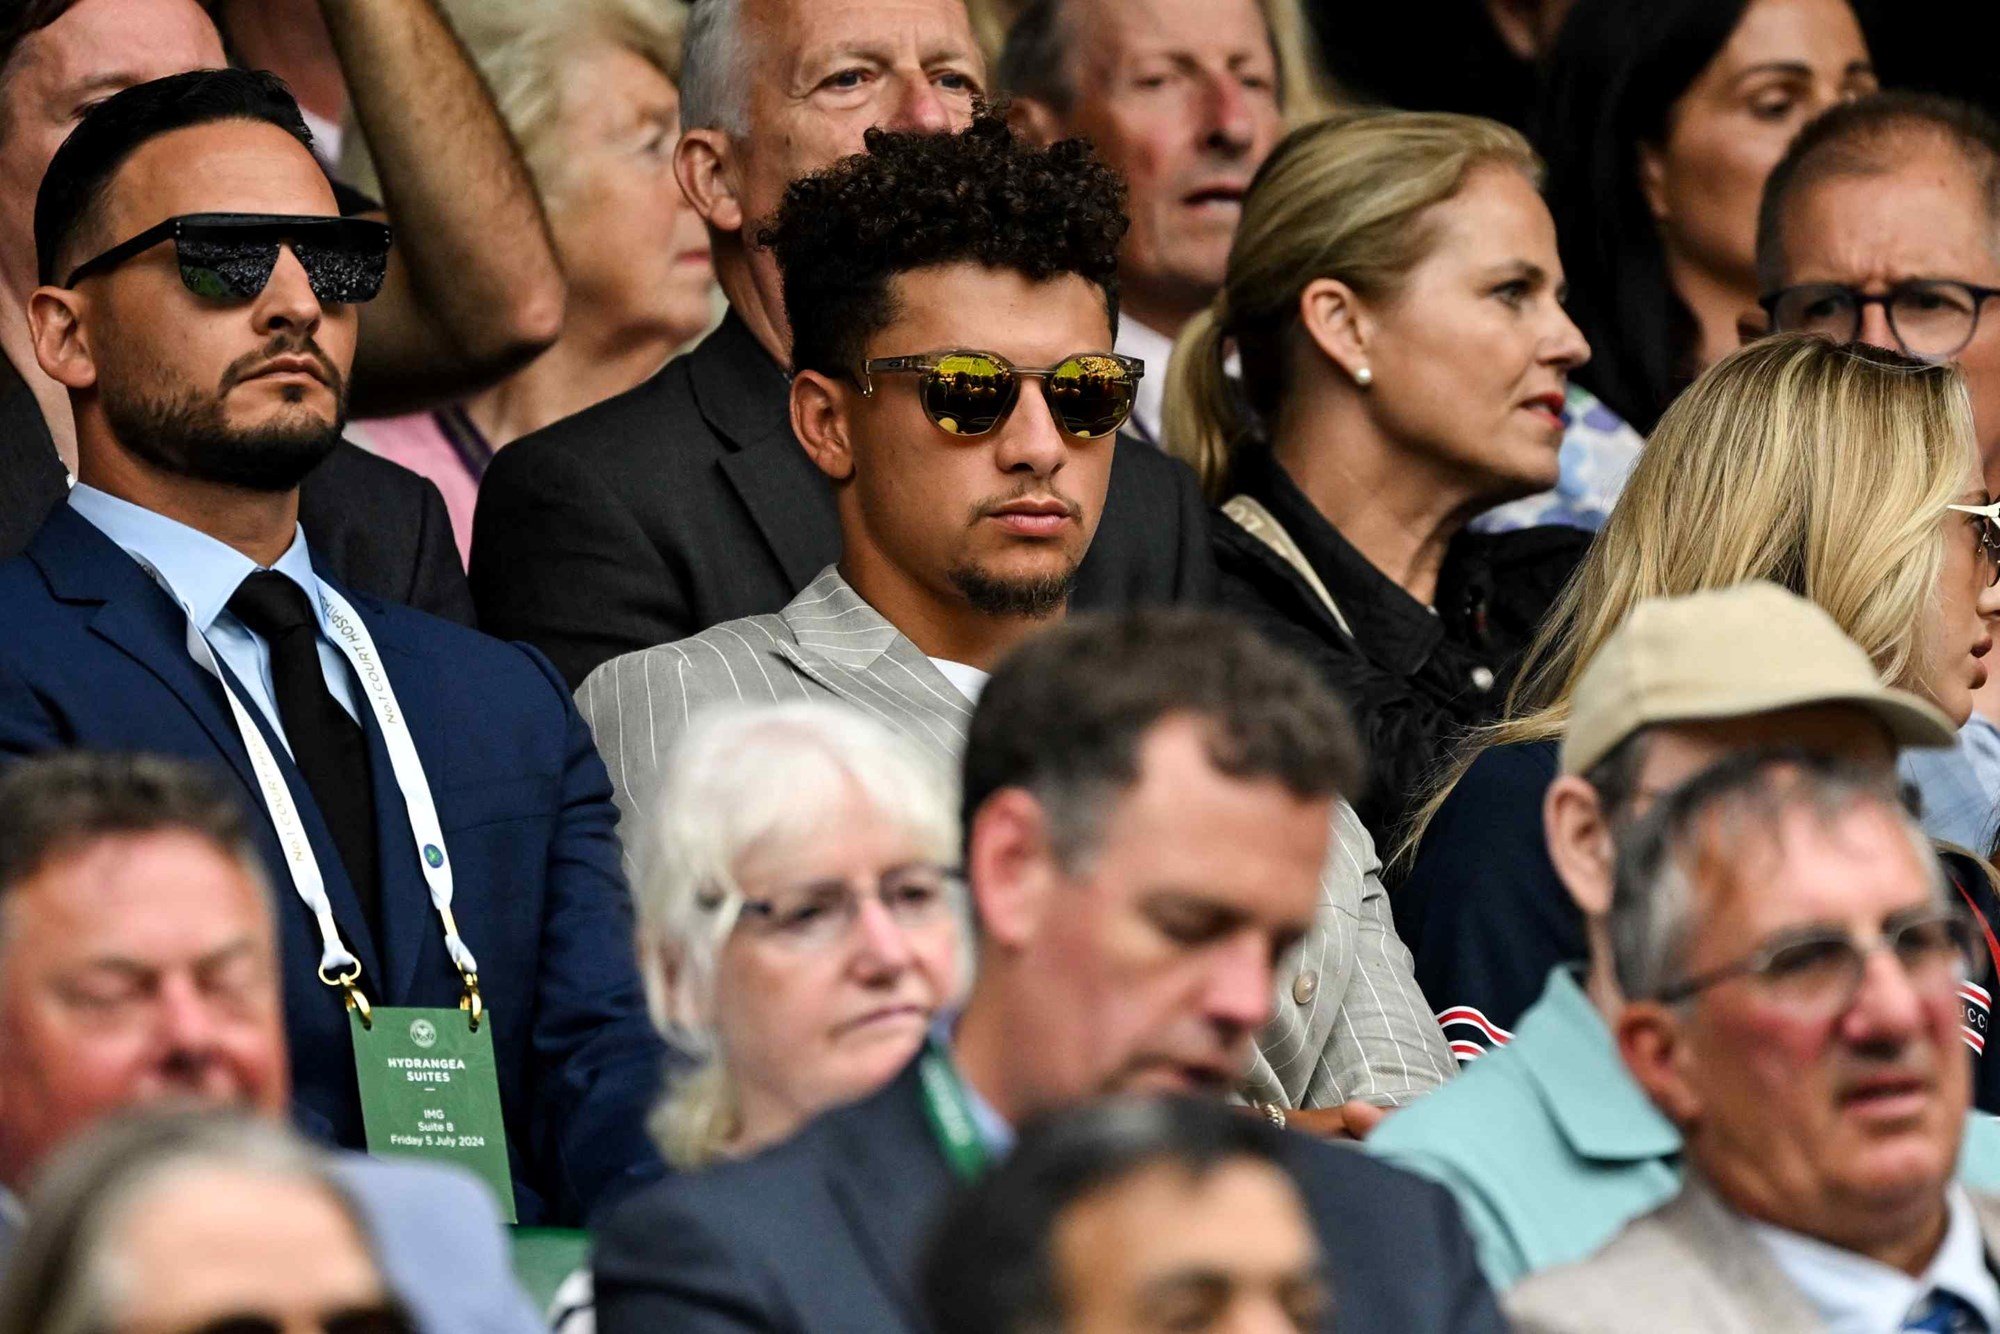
(588, 89)
(1394, 296)
(1826, 469)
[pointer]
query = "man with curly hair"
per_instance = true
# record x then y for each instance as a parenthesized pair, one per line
(688, 501)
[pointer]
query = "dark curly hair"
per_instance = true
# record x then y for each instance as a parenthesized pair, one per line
(916, 200)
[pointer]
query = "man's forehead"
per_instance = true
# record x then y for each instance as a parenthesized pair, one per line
(111, 44)
(231, 166)
(1922, 213)
(1114, 30)
(807, 29)
(1808, 868)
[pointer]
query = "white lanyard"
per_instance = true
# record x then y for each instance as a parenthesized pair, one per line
(337, 964)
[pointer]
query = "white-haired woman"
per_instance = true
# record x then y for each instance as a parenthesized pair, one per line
(798, 919)
(589, 90)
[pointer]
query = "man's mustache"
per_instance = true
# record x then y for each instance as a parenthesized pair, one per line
(286, 345)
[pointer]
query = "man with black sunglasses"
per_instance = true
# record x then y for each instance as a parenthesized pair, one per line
(1882, 224)
(429, 795)
(474, 290)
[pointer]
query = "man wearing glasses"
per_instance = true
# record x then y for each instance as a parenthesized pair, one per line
(1546, 1141)
(1792, 959)
(428, 794)
(1882, 224)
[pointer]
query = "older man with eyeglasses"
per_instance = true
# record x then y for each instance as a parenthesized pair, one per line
(1882, 225)
(1792, 959)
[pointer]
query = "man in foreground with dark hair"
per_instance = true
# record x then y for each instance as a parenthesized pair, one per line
(1148, 801)
(1066, 1235)
(429, 794)
(952, 302)
(139, 972)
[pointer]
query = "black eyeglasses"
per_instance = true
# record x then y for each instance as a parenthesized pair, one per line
(966, 392)
(1932, 318)
(1818, 970)
(230, 256)
(1986, 522)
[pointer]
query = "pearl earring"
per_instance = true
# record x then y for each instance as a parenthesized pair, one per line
(1364, 377)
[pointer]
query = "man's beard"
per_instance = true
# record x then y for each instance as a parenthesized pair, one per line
(186, 433)
(1036, 598)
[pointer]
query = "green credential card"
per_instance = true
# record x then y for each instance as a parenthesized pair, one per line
(429, 1090)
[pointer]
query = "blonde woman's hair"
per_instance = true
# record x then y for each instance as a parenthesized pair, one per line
(741, 779)
(526, 51)
(1821, 467)
(1345, 198)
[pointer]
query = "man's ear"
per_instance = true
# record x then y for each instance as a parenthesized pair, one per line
(1580, 844)
(1034, 120)
(1752, 324)
(1339, 325)
(703, 164)
(62, 344)
(819, 420)
(1011, 866)
(1656, 1052)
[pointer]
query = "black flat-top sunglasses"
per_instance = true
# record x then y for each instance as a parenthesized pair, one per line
(966, 392)
(230, 256)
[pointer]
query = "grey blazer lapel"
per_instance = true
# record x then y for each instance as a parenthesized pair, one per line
(849, 649)
(1737, 1265)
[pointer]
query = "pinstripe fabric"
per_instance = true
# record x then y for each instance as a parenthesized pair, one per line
(1361, 1029)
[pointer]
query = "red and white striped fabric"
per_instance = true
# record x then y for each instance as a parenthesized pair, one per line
(1470, 1033)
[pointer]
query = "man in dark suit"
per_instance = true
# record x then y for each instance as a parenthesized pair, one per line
(204, 329)
(688, 501)
(1148, 804)
(472, 292)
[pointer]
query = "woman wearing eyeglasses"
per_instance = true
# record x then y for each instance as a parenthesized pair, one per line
(194, 1223)
(1394, 296)
(798, 919)
(1846, 474)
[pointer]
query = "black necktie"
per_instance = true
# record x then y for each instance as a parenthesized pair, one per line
(329, 747)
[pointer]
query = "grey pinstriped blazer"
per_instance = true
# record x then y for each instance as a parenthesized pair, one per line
(1351, 1022)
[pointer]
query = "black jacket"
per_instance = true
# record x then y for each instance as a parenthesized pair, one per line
(1415, 682)
(688, 501)
(379, 528)
(826, 1232)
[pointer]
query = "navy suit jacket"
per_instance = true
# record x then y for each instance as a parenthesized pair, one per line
(826, 1232)
(94, 654)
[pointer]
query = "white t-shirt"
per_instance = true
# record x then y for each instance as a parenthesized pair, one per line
(969, 681)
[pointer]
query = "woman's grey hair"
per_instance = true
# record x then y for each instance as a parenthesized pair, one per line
(712, 74)
(526, 51)
(65, 1275)
(742, 780)
(1712, 825)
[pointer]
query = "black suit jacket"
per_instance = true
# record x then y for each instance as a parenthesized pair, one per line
(826, 1232)
(687, 502)
(374, 526)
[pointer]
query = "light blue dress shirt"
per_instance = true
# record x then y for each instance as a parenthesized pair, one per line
(1551, 1147)
(1960, 787)
(1857, 1295)
(993, 1129)
(204, 574)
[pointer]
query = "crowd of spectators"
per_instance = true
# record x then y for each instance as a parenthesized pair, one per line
(995, 666)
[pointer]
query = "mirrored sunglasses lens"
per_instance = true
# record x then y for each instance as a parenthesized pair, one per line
(1092, 395)
(225, 270)
(967, 394)
(342, 272)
